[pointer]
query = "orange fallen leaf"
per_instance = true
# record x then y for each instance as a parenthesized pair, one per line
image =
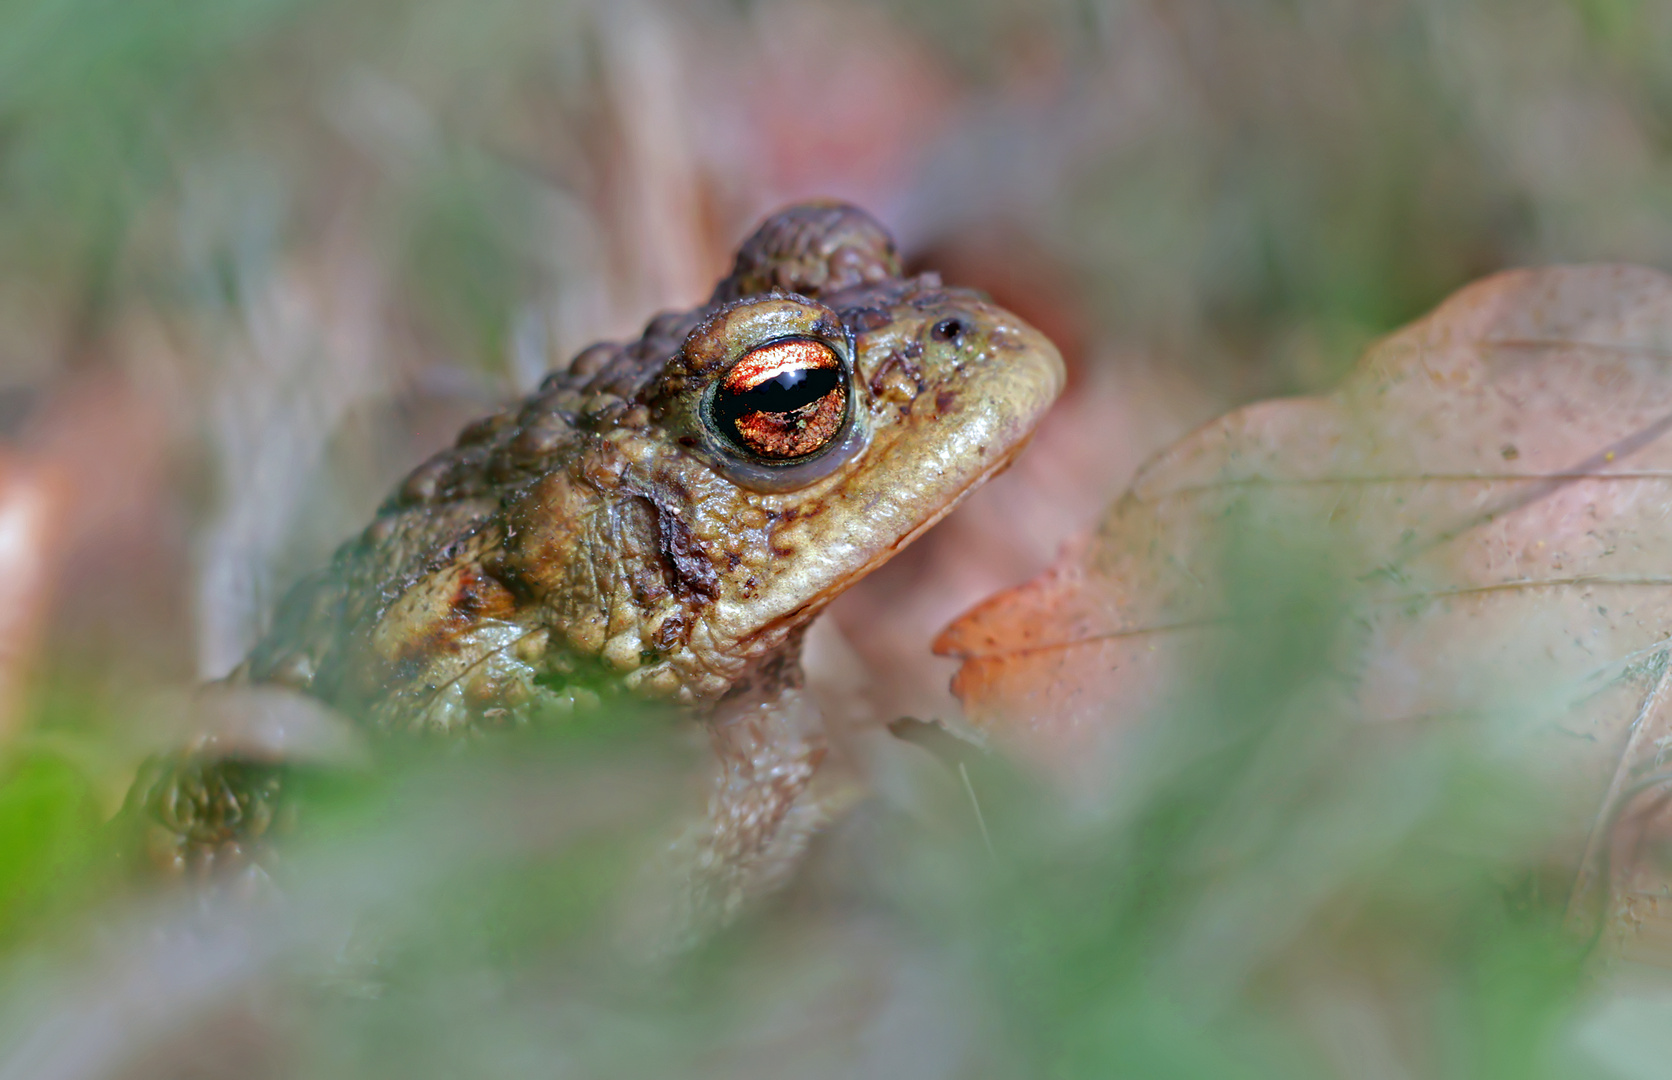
(1496, 483)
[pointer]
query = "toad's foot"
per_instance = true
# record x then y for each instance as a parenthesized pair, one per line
(200, 816)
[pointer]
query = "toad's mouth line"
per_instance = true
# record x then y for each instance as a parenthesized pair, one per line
(811, 609)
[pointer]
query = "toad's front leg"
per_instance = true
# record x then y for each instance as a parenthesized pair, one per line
(766, 754)
(767, 797)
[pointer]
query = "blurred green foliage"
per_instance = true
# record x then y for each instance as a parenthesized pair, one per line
(1266, 890)
(97, 102)
(49, 836)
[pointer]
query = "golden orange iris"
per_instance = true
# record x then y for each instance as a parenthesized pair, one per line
(784, 400)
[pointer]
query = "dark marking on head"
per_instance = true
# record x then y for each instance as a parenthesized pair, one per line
(902, 361)
(672, 631)
(685, 558)
(863, 320)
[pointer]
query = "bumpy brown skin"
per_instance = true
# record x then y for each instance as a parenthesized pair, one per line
(586, 542)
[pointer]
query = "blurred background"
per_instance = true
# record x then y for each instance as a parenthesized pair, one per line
(259, 257)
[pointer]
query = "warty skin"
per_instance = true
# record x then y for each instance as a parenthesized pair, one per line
(606, 539)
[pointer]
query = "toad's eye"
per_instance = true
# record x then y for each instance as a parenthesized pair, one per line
(782, 401)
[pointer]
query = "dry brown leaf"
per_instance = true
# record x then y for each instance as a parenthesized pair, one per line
(1499, 478)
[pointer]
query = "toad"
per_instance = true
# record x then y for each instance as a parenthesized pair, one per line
(661, 520)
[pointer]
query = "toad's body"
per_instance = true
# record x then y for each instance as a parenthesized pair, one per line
(664, 518)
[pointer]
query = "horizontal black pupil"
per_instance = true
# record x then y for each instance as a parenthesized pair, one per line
(783, 393)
